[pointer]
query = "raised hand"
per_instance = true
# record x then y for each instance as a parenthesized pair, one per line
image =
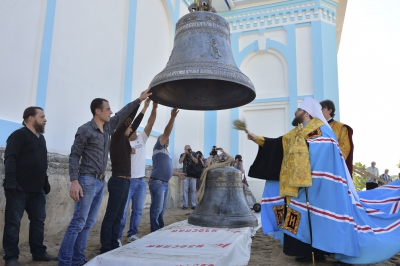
(147, 102)
(251, 136)
(174, 112)
(145, 94)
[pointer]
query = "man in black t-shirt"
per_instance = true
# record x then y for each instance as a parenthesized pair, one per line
(25, 185)
(188, 157)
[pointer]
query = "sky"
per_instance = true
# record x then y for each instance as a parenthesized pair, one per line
(369, 81)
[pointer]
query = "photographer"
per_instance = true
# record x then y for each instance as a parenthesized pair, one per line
(202, 163)
(238, 164)
(202, 160)
(213, 155)
(187, 158)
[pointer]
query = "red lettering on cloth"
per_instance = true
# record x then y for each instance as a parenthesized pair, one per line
(222, 245)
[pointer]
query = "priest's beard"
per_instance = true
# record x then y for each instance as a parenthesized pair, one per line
(298, 119)
(38, 127)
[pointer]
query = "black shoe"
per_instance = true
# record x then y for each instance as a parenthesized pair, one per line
(46, 257)
(341, 263)
(193, 207)
(303, 259)
(309, 259)
(184, 208)
(12, 263)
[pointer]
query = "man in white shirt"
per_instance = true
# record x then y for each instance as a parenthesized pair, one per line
(371, 183)
(137, 188)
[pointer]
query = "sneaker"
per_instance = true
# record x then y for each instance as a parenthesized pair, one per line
(184, 208)
(132, 238)
(119, 243)
(193, 207)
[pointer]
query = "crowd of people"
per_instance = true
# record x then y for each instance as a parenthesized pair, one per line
(297, 165)
(26, 182)
(192, 182)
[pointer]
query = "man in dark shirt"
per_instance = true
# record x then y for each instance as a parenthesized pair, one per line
(87, 165)
(118, 185)
(187, 158)
(25, 185)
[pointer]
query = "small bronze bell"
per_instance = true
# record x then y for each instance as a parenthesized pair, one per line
(201, 73)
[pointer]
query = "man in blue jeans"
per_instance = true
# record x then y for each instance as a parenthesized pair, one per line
(189, 184)
(161, 174)
(25, 185)
(87, 165)
(137, 188)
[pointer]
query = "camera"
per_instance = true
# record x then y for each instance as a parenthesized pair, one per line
(214, 151)
(190, 150)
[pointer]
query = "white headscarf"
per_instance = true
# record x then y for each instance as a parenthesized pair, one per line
(313, 107)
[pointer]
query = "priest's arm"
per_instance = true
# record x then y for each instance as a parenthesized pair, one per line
(267, 164)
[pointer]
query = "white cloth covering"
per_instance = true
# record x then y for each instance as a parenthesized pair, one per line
(184, 244)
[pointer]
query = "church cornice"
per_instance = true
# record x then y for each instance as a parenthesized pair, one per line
(283, 13)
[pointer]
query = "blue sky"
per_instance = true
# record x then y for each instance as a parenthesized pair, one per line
(369, 80)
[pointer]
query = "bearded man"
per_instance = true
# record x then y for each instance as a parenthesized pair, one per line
(25, 185)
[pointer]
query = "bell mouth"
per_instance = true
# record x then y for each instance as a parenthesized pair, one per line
(202, 94)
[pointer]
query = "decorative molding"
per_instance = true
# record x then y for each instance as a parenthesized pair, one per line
(226, 184)
(329, 6)
(282, 10)
(267, 16)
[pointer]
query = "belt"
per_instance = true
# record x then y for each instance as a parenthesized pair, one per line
(152, 178)
(96, 176)
(124, 176)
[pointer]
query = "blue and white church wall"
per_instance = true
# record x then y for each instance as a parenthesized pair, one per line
(61, 54)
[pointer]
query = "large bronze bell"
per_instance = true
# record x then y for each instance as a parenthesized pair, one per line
(223, 204)
(201, 73)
